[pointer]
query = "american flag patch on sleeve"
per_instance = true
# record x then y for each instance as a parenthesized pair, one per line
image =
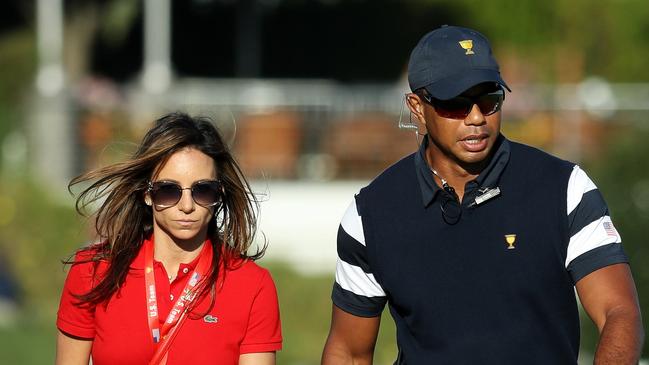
(610, 229)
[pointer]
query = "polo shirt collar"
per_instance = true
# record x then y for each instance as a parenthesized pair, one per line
(425, 178)
(489, 177)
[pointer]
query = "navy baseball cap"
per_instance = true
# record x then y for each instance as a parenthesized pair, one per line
(449, 60)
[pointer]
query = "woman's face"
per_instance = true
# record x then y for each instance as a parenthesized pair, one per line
(186, 221)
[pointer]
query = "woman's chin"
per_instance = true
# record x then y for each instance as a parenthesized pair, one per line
(186, 235)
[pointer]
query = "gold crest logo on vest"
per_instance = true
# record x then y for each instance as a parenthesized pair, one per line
(510, 239)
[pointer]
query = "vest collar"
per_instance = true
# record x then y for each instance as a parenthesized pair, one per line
(488, 178)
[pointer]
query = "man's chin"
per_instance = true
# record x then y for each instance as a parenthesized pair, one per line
(473, 158)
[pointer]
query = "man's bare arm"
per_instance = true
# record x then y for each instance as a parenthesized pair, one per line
(609, 297)
(351, 339)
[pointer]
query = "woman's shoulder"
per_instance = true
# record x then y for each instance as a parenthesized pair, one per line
(89, 257)
(84, 268)
(246, 266)
(91, 251)
(249, 270)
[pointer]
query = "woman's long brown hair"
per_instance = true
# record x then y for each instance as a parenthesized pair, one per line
(123, 220)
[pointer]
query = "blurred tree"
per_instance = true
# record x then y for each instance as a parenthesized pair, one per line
(36, 232)
(14, 15)
(609, 37)
(358, 40)
(16, 68)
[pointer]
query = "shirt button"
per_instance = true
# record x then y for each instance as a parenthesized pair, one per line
(185, 270)
(171, 297)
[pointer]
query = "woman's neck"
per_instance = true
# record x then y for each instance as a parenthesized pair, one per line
(172, 253)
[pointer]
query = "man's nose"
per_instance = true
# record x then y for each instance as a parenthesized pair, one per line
(475, 117)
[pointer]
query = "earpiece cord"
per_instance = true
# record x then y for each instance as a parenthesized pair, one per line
(410, 124)
(444, 182)
(448, 188)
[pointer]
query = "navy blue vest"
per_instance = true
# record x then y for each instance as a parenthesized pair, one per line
(490, 289)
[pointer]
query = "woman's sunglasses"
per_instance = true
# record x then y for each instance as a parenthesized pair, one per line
(165, 194)
(460, 106)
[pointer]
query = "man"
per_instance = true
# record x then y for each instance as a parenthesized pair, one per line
(476, 242)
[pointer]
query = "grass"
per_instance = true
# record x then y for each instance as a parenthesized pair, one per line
(31, 340)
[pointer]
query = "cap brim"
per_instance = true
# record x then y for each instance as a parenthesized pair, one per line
(453, 86)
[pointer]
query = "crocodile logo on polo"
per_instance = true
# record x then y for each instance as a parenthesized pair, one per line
(210, 319)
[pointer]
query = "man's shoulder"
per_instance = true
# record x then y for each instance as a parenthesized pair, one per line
(391, 189)
(397, 174)
(533, 158)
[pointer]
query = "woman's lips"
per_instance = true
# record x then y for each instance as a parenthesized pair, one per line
(185, 222)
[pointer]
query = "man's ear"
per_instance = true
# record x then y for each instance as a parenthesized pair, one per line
(416, 107)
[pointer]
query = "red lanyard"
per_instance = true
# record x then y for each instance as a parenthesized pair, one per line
(162, 336)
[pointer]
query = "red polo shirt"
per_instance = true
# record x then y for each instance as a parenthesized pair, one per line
(244, 319)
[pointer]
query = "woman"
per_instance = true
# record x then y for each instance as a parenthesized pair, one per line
(171, 281)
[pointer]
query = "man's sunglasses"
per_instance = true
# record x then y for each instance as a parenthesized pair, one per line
(460, 106)
(165, 194)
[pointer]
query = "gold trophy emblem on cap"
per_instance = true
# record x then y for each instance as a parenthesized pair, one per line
(510, 239)
(468, 45)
